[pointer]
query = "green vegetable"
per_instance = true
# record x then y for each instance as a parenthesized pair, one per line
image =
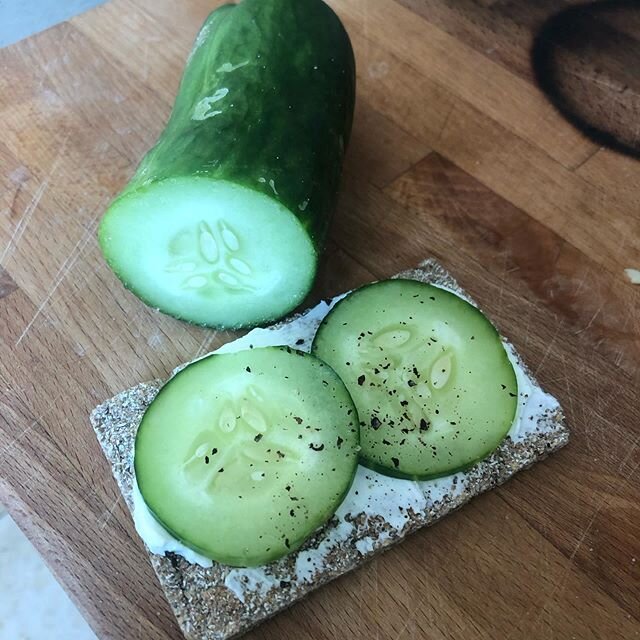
(432, 382)
(242, 456)
(225, 218)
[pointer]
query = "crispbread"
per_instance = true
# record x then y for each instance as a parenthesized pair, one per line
(220, 602)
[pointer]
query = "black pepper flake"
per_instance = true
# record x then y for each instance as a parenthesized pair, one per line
(284, 584)
(504, 386)
(412, 383)
(286, 543)
(404, 403)
(300, 341)
(292, 513)
(214, 451)
(415, 372)
(221, 470)
(361, 380)
(280, 454)
(375, 423)
(298, 419)
(386, 442)
(424, 425)
(316, 447)
(248, 369)
(339, 442)
(513, 395)
(402, 441)
(396, 462)
(206, 459)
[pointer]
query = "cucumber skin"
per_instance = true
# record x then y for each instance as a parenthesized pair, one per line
(290, 121)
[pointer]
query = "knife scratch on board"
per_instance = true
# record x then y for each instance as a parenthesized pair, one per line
(109, 513)
(18, 232)
(64, 270)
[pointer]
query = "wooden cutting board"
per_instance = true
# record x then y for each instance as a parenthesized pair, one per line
(456, 155)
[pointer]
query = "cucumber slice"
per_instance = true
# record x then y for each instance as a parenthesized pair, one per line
(225, 218)
(242, 456)
(432, 382)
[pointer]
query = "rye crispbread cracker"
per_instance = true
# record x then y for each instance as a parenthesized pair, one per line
(220, 602)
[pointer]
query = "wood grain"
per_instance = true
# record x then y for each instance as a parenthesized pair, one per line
(455, 154)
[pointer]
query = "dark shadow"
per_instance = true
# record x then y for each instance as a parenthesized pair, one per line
(586, 59)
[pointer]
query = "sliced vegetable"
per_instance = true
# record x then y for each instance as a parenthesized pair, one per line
(223, 223)
(432, 382)
(242, 456)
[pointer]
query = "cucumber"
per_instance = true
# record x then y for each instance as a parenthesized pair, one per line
(430, 377)
(242, 456)
(224, 221)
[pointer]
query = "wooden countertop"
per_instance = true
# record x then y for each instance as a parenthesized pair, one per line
(455, 155)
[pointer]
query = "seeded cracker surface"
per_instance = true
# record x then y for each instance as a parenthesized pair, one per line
(220, 602)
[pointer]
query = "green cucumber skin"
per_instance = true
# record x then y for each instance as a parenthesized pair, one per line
(292, 108)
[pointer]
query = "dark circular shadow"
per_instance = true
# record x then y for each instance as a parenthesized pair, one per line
(586, 59)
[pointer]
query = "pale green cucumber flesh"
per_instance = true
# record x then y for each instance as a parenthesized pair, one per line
(209, 251)
(429, 374)
(242, 456)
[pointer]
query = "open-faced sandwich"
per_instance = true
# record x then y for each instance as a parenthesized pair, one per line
(291, 455)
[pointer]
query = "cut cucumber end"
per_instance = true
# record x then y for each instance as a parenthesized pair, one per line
(243, 456)
(209, 251)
